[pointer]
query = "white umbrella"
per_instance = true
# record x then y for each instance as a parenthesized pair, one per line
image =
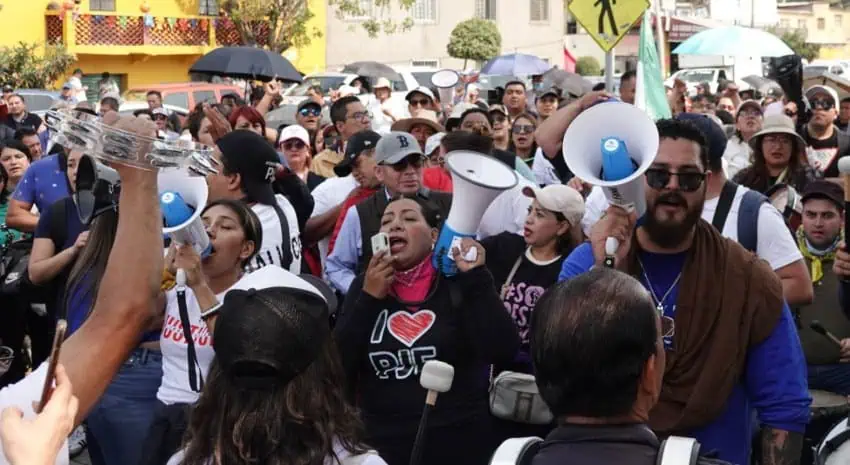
(734, 40)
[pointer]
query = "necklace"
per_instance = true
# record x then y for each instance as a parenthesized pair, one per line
(660, 306)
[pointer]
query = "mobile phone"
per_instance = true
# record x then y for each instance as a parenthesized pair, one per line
(58, 339)
(380, 242)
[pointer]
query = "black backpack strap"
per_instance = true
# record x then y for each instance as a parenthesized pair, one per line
(196, 378)
(286, 241)
(58, 227)
(724, 204)
(748, 220)
(831, 446)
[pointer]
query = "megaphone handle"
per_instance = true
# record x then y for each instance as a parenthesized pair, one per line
(611, 246)
(180, 277)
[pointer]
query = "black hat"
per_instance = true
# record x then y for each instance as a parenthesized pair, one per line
(271, 327)
(714, 134)
(822, 189)
(250, 155)
(357, 144)
(306, 103)
(553, 91)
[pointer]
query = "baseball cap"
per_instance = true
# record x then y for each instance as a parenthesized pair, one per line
(422, 90)
(250, 155)
(433, 143)
(295, 131)
(160, 111)
(822, 189)
(395, 147)
(382, 83)
(713, 132)
(346, 90)
(819, 89)
(272, 326)
(357, 144)
(559, 198)
(66, 85)
(460, 109)
(553, 91)
(498, 108)
(307, 103)
(749, 104)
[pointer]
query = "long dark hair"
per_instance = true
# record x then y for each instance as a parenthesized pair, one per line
(756, 176)
(90, 265)
(296, 424)
(569, 240)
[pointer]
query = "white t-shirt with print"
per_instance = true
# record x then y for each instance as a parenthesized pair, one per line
(272, 250)
(22, 395)
(175, 388)
(339, 450)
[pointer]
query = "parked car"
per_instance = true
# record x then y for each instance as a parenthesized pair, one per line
(185, 94)
(127, 108)
(38, 100)
(327, 81)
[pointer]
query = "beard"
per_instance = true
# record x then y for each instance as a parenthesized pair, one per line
(671, 233)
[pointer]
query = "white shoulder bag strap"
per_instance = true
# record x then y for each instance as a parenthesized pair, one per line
(677, 450)
(358, 459)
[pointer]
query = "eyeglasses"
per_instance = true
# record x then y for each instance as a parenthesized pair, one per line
(821, 104)
(751, 113)
(362, 116)
(423, 102)
(658, 178)
(293, 145)
(415, 161)
(668, 326)
(523, 129)
(777, 140)
(310, 111)
(790, 113)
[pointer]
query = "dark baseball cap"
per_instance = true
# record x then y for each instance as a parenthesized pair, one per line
(357, 144)
(822, 189)
(271, 327)
(308, 103)
(712, 131)
(553, 91)
(250, 155)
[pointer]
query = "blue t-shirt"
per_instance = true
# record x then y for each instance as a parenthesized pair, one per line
(43, 183)
(80, 301)
(773, 382)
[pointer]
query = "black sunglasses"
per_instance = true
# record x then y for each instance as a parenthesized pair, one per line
(821, 104)
(419, 102)
(523, 129)
(414, 161)
(293, 145)
(310, 111)
(658, 178)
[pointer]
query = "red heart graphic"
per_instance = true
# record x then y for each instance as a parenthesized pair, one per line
(409, 327)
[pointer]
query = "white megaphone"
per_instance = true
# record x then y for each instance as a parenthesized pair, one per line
(182, 198)
(611, 145)
(477, 179)
(445, 81)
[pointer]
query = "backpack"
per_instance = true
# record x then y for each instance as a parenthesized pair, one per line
(748, 214)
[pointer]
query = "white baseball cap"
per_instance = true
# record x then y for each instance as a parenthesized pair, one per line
(559, 198)
(382, 83)
(422, 90)
(433, 143)
(819, 89)
(295, 131)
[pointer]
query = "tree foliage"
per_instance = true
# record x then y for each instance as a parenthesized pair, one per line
(796, 39)
(286, 19)
(475, 39)
(34, 66)
(376, 15)
(588, 66)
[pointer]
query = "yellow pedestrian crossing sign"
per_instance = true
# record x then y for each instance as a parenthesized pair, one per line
(607, 21)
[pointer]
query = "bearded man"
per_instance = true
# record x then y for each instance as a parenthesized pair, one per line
(735, 346)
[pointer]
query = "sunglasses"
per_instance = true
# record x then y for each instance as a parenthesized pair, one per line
(414, 161)
(523, 129)
(310, 111)
(419, 102)
(790, 113)
(293, 145)
(821, 104)
(658, 179)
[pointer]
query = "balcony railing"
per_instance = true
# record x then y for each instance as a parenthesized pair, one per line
(146, 31)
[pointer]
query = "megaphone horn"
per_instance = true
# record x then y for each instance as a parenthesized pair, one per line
(611, 145)
(182, 198)
(445, 81)
(477, 180)
(96, 188)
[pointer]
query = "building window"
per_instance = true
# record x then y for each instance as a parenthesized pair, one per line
(208, 7)
(425, 11)
(784, 24)
(838, 20)
(540, 10)
(102, 5)
(424, 64)
(485, 9)
(801, 24)
(821, 24)
(572, 26)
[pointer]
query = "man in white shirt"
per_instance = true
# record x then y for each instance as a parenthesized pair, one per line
(124, 305)
(77, 86)
(774, 241)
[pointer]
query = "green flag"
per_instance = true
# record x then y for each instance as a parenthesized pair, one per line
(650, 95)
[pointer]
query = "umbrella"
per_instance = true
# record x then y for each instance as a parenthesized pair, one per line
(735, 41)
(516, 64)
(372, 69)
(761, 84)
(838, 83)
(246, 63)
(572, 84)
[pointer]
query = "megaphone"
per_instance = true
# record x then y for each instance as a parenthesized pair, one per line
(611, 145)
(182, 198)
(96, 189)
(477, 179)
(445, 81)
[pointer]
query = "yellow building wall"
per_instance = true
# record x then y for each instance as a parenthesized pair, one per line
(160, 64)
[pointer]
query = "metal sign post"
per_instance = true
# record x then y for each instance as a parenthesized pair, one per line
(609, 70)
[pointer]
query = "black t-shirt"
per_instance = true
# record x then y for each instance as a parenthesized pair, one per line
(823, 154)
(840, 125)
(61, 224)
(30, 120)
(526, 286)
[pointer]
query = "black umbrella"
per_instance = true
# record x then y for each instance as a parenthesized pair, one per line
(761, 84)
(372, 69)
(246, 63)
(572, 84)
